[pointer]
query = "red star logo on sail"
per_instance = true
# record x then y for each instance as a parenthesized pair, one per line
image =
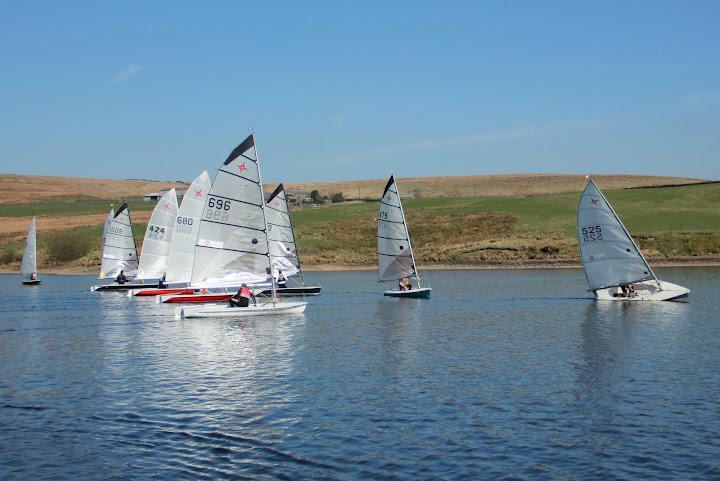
(388, 198)
(277, 203)
(594, 201)
(122, 218)
(198, 193)
(167, 206)
(242, 167)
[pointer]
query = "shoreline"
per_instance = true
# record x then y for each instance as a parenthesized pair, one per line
(709, 261)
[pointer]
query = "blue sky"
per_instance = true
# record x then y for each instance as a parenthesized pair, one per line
(342, 90)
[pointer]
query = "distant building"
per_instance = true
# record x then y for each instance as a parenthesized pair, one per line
(152, 196)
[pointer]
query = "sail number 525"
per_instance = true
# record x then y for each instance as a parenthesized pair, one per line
(591, 233)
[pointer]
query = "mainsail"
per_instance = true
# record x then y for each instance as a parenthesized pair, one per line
(283, 249)
(29, 260)
(119, 252)
(232, 244)
(159, 233)
(107, 226)
(609, 255)
(395, 256)
(182, 246)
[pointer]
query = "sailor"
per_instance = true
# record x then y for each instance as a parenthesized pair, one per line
(121, 279)
(404, 284)
(162, 284)
(242, 298)
(281, 280)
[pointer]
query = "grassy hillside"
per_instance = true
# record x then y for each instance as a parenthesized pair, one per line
(667, 222)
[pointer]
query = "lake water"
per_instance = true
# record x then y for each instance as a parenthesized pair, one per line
(500, 375)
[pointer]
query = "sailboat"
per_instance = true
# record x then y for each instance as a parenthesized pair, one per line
(232, 246)
(611, 259)
(119, 252)
(395, 255)
(159, 233)
(182, 244)
(283, 248)
(29, 261)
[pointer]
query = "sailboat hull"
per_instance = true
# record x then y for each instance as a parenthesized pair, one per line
(119, 287)
(646, 291)
(423, 293)
(32, 283)
(225, 310)
(294, 291)
(197, 298)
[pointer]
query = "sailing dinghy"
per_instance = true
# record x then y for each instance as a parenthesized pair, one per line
(159, 234)
(182, 244)
(283, 248)
(611, 259)
(232, 244)
(395, 255)
(119, 252)
(29, 261)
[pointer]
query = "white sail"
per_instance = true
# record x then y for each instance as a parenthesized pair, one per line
(182, 246)
(283, 249)
(609, 255)
(29, 260)
(159, 233)
(395, 256)
(119, 251)
(232, 245)
(108, 221)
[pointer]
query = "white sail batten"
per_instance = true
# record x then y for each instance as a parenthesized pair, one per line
(609, 255)
(232, 246)
(29, 260)
(119, 251)
(159, 234)
(395, 256)
(281, 236)
(182, 246)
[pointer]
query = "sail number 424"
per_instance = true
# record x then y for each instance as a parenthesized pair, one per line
(591, 233)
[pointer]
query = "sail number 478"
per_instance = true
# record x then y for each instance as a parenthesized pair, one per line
(591, 233)
(217, 209)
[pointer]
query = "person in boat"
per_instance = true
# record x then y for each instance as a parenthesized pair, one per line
(281, 280)
(121, 279)
(162, 284)
(628, 291)
(33, 277)
(404, 284)
(242, 298)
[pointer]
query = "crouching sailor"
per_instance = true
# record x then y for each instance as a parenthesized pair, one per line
(242, 298)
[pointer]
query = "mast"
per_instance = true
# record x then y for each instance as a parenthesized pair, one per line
(407, 231)
(267, 241)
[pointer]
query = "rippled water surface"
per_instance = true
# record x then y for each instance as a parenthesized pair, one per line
(500, 375)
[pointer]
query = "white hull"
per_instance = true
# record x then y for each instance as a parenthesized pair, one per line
(421, 292)
(646, 291)
(225, 310)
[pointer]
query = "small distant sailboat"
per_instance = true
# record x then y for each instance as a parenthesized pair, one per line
(119, 252)
(232, 244)
(395, 255)
(612, 261)
(29, 261)
(283, 248)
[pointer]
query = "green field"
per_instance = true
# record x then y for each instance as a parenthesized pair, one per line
(665, 222)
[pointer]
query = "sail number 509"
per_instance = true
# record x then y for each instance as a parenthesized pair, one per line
(591, 233)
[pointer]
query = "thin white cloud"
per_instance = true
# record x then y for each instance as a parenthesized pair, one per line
(338, 119)
(483, 138)
(125, 74)
(702, 99)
